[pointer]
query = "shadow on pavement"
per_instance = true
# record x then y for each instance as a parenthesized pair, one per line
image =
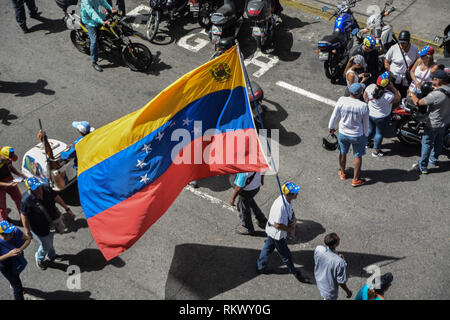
(71, 195)
(6, 115)
(25, 89)
(59, 295)
(50, 25)
(87, 260)
(305, 231)
(205, 271)
(389, 175)
(216, 183)
(157, 65)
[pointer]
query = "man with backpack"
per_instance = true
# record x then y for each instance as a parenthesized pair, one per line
(246, 187)
(438, 102)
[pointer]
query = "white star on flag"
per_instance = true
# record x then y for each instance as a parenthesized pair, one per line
(159, 136)
(186, 121)
(140, 164)
(147, 148)
(144, 179)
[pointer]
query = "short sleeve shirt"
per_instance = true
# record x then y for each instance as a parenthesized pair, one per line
(439, 108)
(397, 63)
(241, 179)
(330, 270)
(15, 242)
(382, 107)
(280, 213)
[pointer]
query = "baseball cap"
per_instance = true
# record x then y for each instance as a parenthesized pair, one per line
(357, 88)
(290, 187)
(359, 59)
(439, 74)
(33, 183)
(8, 152)
(369, 42)
(83, 127)
(383, 79)
(6, 227)
(426, 51)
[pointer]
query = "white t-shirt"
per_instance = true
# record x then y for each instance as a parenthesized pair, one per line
(381, 107)
(280, 213)
(354, 116)
(397, 63)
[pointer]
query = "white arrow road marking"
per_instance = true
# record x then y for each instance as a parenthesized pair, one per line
(263, 66)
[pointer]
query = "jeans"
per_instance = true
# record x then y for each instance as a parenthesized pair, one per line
(283, 251)
(377, 129)
(93, 36)
(7, 269)
(358, 144)
(19, 9)
(46, 247)
(432, 143)
(246, 203)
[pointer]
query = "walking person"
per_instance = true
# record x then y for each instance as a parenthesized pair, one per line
(368, 292)
(353, 130)
(356, 72)
(93, 18)
(394, 61)
(12, 262)
(7, 184)
(247, 186)
(380, 97)
(19, 9)
(330, 269)
(120, 5)
(38, 211)
(422, 70)
(281, 222)
(438, 102)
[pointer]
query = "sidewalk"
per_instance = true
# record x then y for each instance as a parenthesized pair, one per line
(423, 18)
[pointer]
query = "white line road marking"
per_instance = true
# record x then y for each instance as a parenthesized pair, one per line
(210, 198)
(263, 66)
(136, 13)
(201, 43)
(306, 93)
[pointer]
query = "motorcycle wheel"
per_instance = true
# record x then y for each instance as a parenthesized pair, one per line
(153, 24)
(258, 43)
(137, 57)
(331, 70)
(403, 125)
(80, 40)
(204, 14)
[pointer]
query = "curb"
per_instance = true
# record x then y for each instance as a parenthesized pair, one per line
(311, 9)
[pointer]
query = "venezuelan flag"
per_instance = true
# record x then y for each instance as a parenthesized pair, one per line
(131, 170)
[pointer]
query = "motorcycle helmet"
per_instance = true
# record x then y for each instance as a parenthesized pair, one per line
(330, 142)
(404, 36)
(426, 88)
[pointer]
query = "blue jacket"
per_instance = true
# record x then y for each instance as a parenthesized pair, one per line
(90, 12)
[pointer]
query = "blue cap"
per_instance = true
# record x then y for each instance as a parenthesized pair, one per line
(33, 183)
(290, 187)
(6, 227)
(83, 127)
(357, 88)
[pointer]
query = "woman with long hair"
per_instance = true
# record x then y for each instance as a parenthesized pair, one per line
(422, 70)
(355, 72)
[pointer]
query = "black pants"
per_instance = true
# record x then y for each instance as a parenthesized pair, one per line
(19, 8)
(120, 4)
(245, 205)
(7, 269)
(402, 89)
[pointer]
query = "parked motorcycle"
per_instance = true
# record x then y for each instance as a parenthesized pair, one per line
(136, 56)
(334, 49)
(158, 8)
(444, 41)
(226, 22)
(260, 14)
(203, 9)
(379, 29)
(409, 121)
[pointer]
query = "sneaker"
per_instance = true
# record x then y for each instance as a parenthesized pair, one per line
(303, 279)
(359, 182)
(40, 264)
(56, 257)
(342, 175)
(417, 167)
(194, 184)
(35, 15)
(97, 67)
(25, 29)
(433, 164)
(244, 231)
(377, 154)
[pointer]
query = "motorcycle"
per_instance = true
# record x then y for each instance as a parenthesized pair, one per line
(382, 32)
(115, 37)
(409, 121)
(226, 23)
(444, 41)
(203, 9)
(334, 49)
(172, 8)
(44, 161)
(260, 13)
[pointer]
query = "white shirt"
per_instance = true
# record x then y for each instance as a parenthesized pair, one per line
(280, 213)
(381, 107)
(397, 63)
(354, 116)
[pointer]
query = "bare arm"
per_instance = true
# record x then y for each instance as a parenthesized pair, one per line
(61, 202)
(235, 193)
(26, 225)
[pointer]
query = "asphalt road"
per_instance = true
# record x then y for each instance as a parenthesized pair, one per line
(398, 221)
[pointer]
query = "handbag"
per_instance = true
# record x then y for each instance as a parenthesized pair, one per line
(407, 73)
(57, 223)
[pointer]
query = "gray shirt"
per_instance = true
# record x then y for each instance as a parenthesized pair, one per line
(330, 270)
(439, 108)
